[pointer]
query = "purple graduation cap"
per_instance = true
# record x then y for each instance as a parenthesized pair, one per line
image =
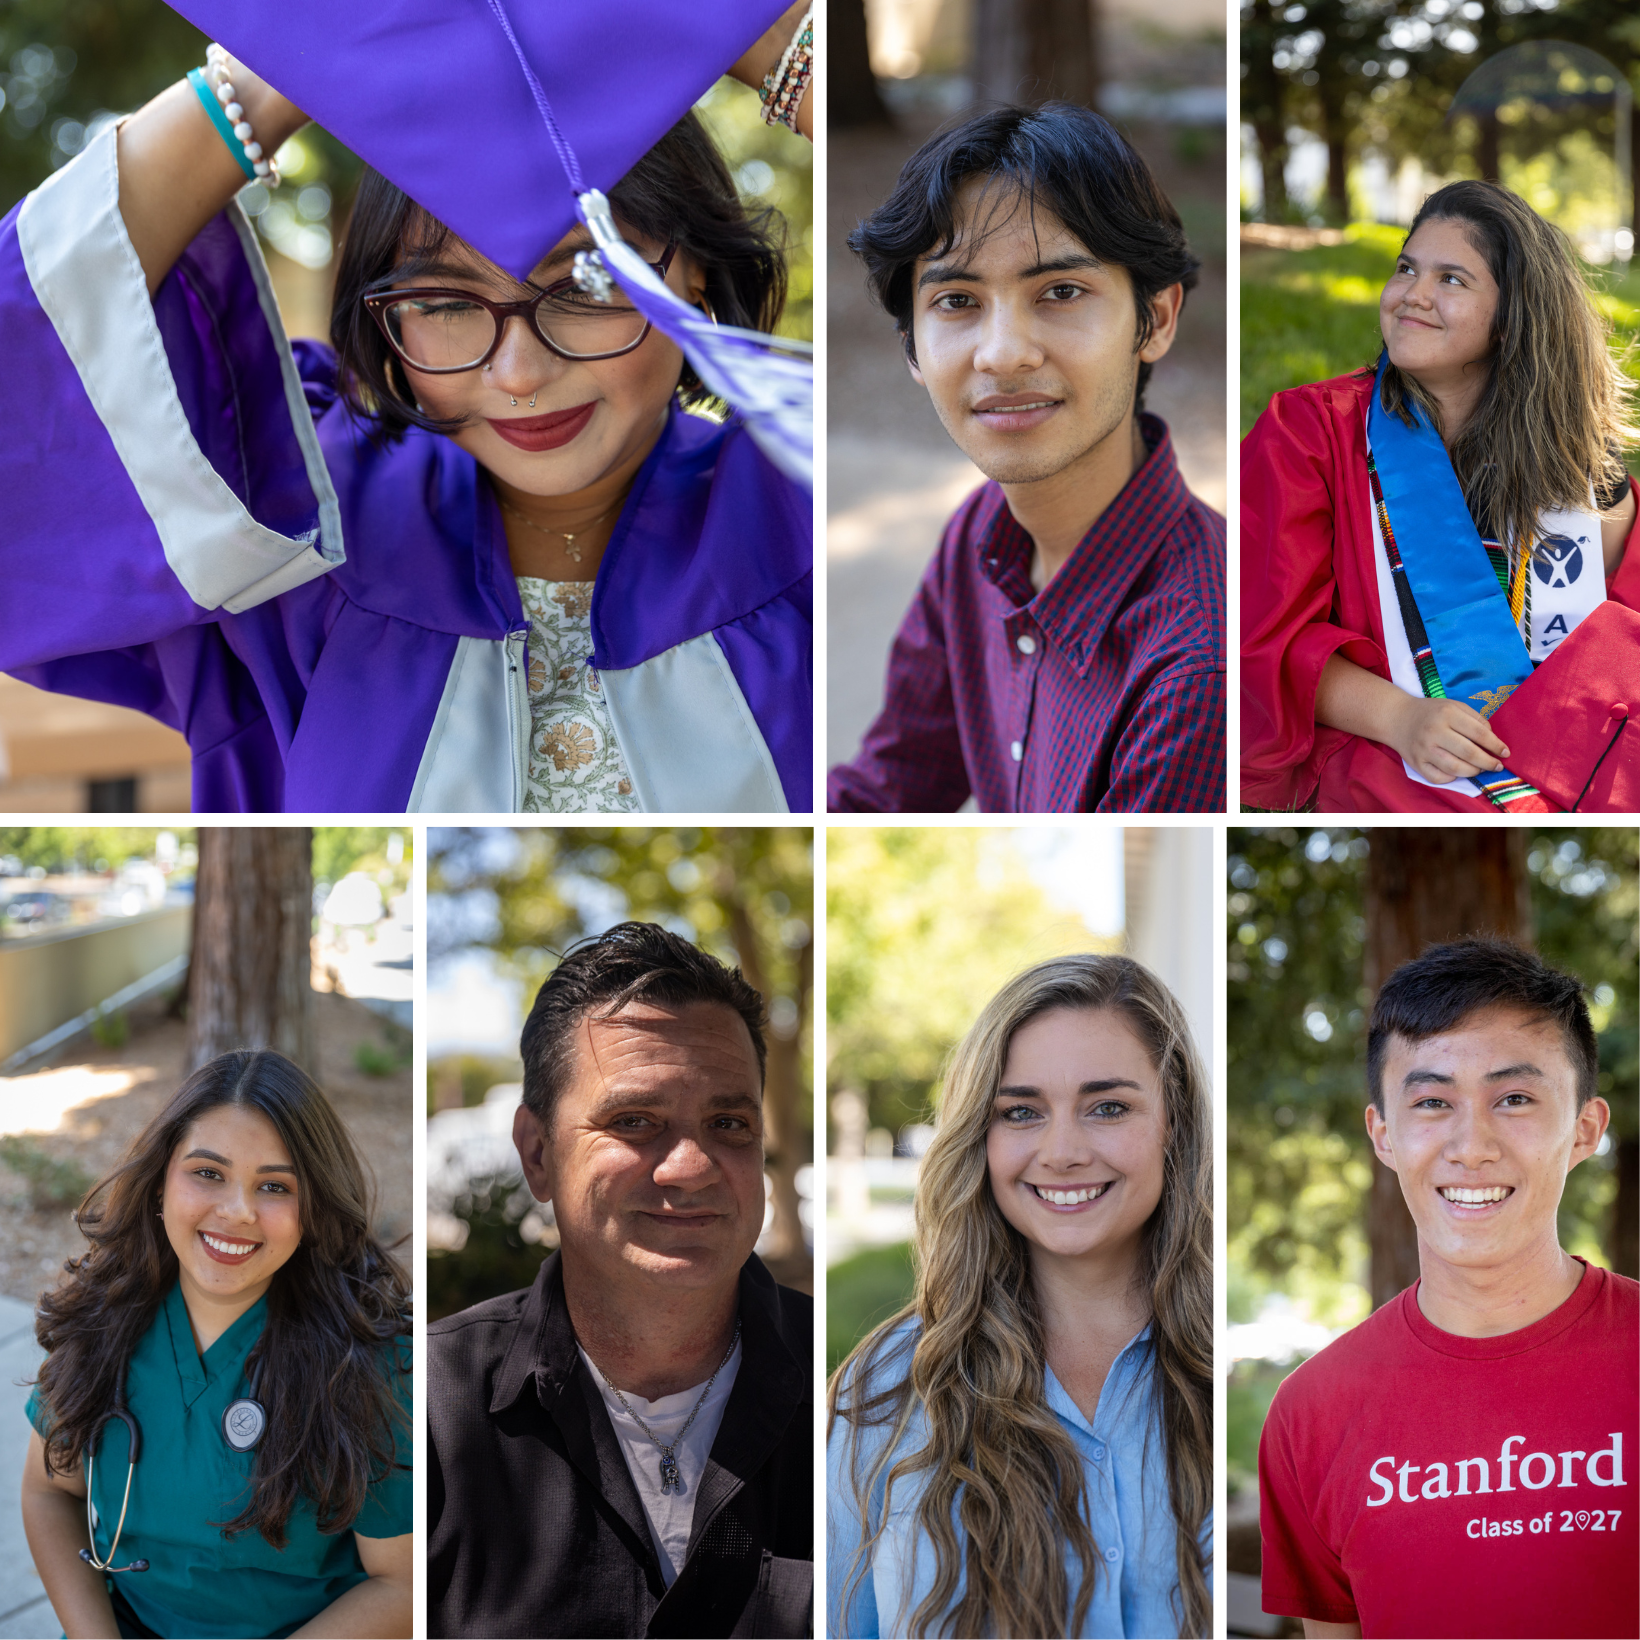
(508, 119)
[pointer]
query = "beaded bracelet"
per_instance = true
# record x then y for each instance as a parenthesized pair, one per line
(783, 86)
(215, 90)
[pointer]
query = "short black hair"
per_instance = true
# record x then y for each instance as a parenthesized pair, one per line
(680, 191)
(631, 962)
(1439, 990)
(1081, 167)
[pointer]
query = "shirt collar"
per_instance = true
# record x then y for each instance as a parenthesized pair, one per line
(544, 1350)
(227, 1353)
(1120, 1382)
(1077, 606)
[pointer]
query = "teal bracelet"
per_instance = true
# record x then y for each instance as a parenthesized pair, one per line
(202, 88)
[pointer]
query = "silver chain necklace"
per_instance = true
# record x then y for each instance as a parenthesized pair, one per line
(671, 1480)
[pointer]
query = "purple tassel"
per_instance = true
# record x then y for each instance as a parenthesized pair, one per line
(768, 379)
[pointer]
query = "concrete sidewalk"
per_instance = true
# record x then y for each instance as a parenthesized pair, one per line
(25, 1613)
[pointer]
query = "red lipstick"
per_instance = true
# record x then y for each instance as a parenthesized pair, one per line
(548, 432)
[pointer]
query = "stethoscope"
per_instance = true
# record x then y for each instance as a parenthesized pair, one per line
(243, 1425)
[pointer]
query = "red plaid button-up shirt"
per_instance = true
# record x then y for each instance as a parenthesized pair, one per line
(1103, 692)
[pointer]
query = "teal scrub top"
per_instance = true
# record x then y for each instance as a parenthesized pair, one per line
(199, 1583)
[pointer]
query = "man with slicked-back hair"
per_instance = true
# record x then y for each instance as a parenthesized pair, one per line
(1463, 1462)
(626, 1447)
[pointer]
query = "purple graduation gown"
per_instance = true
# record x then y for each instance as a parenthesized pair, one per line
(196, 527)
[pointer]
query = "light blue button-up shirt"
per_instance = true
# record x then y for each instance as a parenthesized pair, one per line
(1124, 1470)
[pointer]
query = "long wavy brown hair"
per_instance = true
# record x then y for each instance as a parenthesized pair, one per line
(1557, 408)
(997, 1459)
(336, 1307)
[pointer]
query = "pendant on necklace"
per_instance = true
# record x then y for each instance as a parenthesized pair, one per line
(571, 548)
(670, 1479)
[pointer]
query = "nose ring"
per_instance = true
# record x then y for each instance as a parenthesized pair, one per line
(532, 398)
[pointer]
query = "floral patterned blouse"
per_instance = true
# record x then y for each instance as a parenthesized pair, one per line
(575, 763)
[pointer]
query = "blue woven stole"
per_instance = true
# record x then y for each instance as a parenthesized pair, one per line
(1475, 650)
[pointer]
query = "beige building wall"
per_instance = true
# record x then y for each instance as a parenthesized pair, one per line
(53, 747)
(48, 979)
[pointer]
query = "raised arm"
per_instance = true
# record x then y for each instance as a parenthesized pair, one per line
(176, 172)
(755, 65)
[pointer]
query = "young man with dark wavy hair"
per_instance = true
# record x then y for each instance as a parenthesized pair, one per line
(1065, 650)
(1463, 1462)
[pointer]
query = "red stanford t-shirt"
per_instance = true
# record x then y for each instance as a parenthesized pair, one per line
(1422, 1484)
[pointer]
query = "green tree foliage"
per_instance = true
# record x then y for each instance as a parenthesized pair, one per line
(64, 62)
(922, 925)
(746, 894)
(1299, 1166)
(82, 848)
(530, 893)
(773, 169)
(1382, 75)
(337, 850)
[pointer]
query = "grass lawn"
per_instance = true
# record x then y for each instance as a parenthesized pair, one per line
(860, 1292)
(1308, 315)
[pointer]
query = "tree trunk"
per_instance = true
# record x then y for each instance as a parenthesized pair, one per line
(786, 1254)
(1423, 886)
(1034, 51)
(1486, 145)
(852, 98)
(1634, 173)
(1624, 1240)
(248, 981)
(1263, 94)
(1338, 187)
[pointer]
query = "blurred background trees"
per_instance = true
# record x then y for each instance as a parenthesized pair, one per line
(1317, 1231)
(1355, 111)
(743, 893)
(1369, 86)
(923, 925)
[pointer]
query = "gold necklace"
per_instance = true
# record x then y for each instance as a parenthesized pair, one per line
(569, 537)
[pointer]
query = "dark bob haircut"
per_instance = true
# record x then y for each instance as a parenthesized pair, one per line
(1441, 989)
(680, 191)
(631, 962)
(1080, 167)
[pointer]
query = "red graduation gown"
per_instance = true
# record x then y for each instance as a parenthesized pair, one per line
(1309, 589)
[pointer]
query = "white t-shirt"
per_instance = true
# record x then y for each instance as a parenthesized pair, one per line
(670, 1515)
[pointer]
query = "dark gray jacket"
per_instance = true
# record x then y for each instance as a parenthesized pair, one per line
(534, 1525)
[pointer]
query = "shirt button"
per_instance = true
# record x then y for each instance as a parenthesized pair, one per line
(1098, 1454)
(1026, 643)
(1018, 749)
(1113, 1554)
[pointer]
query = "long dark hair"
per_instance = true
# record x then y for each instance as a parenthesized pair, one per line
(333, 1308)
(680, 191)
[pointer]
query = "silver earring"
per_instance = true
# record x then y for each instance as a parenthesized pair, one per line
(706, 308)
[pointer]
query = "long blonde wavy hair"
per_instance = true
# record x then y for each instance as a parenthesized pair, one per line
(978, 1364)
(1557, 408)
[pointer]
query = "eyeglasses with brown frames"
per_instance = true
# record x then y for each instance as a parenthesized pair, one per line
(439, 331)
